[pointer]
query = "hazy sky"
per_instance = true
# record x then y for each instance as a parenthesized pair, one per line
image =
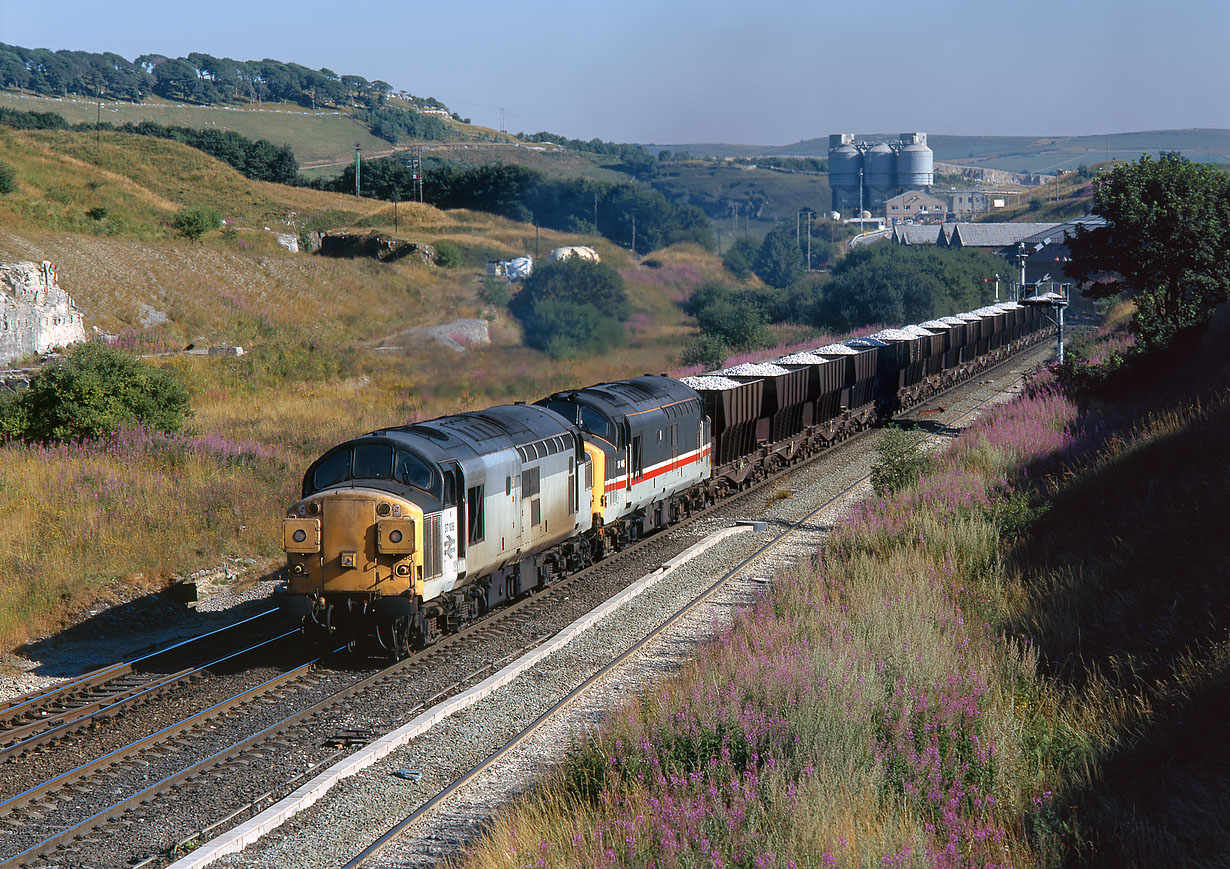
(676, 71)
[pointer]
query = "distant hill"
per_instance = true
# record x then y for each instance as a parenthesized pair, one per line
(1014, 153)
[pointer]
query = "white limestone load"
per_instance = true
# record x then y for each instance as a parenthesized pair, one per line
(836, 350)
(711, 382)
(755, 369)
(804, 359)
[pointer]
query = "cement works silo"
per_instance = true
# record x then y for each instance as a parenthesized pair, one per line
(845, 162)
(915, 162)
(879, 174)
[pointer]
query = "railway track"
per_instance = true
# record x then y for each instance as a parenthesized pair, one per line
(339, 718)
(804, 527)
(43, 717)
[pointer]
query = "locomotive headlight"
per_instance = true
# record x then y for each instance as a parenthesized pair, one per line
(301, 536)
(395, 536)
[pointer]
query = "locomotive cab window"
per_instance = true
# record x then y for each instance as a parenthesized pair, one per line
(332, 469)
(412, 471)
(594, 422)
(373, 462)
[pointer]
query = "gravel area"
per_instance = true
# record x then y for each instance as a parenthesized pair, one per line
(361, 808)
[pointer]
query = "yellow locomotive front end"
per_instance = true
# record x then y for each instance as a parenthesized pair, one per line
(354, 562)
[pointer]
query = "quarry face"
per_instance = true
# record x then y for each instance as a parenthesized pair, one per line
(35, 314)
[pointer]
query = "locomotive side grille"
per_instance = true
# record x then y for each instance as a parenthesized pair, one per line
(432, 545)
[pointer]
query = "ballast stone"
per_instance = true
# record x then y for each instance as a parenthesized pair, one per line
(36, 316)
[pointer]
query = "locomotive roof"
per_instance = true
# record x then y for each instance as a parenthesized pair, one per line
(477, 432)
(629, 396)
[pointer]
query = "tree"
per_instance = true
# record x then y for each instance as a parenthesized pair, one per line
(92, 392)
(565, 330)
(8, 179)
(739, 257)
(1167, 230)
(574, 280)
(571, 307)
(779, 261)
(891, 284)
(192, 222)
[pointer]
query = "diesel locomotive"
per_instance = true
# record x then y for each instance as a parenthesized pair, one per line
(404, 534)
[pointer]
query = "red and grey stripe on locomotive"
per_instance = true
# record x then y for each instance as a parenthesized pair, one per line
(407, 533)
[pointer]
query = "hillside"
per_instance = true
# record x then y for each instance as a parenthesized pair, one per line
(331, 350)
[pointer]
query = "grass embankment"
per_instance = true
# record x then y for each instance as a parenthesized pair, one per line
(953, 682)
(312, 375)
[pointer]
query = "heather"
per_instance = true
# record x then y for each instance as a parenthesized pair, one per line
(922, 692)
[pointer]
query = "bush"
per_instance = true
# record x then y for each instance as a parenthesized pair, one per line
(8, 179)
(900, 460)
(707, 350)
(737, 319)
(93, 391)
(576, 281)
(496, 291)
(192, 222)
(565, 330)
(448, 255)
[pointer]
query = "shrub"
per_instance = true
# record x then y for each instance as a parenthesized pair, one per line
(495, 291)
(448, 255)
(192, 222)
(92, 392)
(707, 350)
(574, 281)
(8, 179)
(565, 330)
(900, 460)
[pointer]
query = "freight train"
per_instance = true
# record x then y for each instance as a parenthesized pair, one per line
(405, 534)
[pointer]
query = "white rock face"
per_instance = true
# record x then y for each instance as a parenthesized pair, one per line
(35, 314)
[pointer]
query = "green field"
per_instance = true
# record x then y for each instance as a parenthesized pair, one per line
(313, 136)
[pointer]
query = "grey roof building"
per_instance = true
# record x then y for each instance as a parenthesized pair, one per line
(995, 235)
(916, 233)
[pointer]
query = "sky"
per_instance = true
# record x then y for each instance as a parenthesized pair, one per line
(684, 71)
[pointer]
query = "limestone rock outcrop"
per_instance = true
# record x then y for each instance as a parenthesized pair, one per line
(35, 314)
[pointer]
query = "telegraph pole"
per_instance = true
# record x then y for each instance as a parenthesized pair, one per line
(356, 169)
(809, 240)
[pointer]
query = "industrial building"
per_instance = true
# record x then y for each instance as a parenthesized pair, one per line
(865, 175)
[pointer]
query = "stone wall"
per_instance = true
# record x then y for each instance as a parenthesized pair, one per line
(35, 314)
